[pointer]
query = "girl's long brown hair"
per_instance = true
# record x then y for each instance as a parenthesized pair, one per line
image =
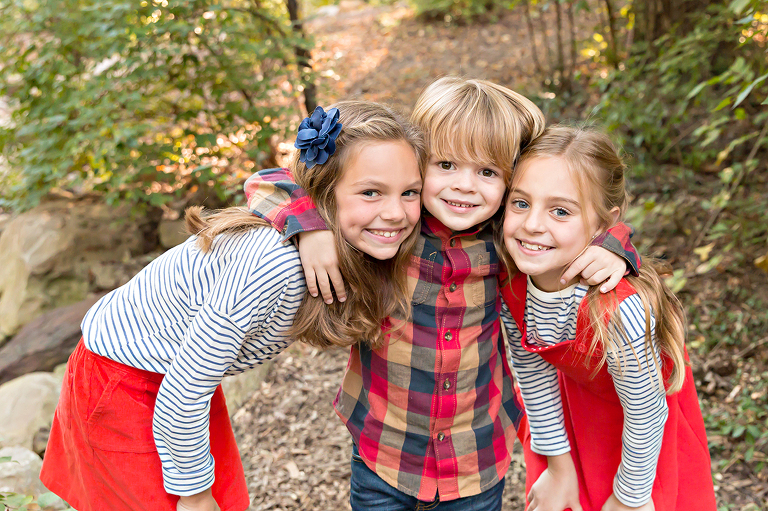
(375, 289)
(598, 170)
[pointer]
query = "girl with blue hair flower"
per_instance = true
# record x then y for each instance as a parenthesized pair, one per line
(142, 422)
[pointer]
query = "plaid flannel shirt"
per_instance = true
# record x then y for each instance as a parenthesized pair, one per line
(433, 411)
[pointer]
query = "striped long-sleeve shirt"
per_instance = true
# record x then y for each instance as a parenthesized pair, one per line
(196, 317)
(551, 318)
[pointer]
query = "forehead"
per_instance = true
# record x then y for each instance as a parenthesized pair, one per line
(388, 163)
(545, 176)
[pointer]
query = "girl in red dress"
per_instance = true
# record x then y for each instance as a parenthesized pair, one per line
(612, 418)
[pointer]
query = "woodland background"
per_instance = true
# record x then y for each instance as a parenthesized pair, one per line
(155, 105)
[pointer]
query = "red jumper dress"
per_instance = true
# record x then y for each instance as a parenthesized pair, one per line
(594, 420)
(101, 453)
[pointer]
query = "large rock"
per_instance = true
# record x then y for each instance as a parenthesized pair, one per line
(26, 406)
(45, 342)
(62, 251)
(21, 474)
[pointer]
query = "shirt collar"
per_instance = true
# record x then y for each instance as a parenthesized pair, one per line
(431, 226)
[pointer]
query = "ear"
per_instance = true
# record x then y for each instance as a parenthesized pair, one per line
(614, 214)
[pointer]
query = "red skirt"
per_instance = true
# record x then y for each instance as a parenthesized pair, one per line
(101, 453)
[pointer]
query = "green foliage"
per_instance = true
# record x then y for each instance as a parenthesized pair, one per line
(140, 100)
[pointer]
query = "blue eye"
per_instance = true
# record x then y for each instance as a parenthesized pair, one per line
(560, 212)
(370, 193)
(518, 203)
(411, 193)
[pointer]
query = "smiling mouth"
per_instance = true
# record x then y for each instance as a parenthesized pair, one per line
(459, 204)
(533, 246)
(385, 233)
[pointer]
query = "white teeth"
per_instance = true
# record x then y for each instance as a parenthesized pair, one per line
(533, 247)
(460, 205)
(386, 234)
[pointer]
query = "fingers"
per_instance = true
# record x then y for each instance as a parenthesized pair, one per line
(612, 281)
(574, 269)
(309, 276)
(338, 284)
(324, 284)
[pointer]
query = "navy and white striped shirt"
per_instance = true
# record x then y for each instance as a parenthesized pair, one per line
(551, 318)
(196, 317)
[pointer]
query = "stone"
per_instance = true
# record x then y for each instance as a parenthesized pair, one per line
(44, 343)
(238, 389)
(48, 254)
(26, 406)
(21, 474)
(172, 233)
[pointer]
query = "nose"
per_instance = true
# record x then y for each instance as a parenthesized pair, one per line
(393, 210)
(463, 181)
(534, 220)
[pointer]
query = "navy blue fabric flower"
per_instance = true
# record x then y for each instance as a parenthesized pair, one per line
(317, 136)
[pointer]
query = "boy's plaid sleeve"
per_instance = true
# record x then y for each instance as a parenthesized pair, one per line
(618, 240)
(273, 196)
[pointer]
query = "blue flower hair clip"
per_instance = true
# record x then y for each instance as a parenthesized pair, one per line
(317, 136)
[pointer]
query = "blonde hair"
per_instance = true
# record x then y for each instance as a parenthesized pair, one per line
(598, 171)
(375, 289)
(478, 121)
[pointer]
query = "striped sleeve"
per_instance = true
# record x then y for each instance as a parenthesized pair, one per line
(258, 309)
(540, 389)
(640, 390)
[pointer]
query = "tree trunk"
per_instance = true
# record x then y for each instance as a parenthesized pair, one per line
(532, 34)
(654, 18)
(559, 39)
(303, 57)
(613, 51)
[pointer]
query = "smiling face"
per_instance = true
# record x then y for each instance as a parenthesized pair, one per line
(462, 194)
(378, 198)
(545, 224)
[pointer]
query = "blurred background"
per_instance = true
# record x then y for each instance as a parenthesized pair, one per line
(116, 115)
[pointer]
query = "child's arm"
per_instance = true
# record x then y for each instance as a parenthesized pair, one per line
(610, 256)
(203, 501)
(260, 308)
(638, 383)
(273, 196)
(557, 488)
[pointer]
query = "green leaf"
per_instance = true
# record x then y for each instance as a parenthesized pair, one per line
(747, 90)
(48, 499)
(696, 90)
(738, 6)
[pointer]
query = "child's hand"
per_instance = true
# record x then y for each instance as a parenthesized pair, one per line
(557, 488)
(613, 504)
(317, 250)
(201, 502)
(597, 265)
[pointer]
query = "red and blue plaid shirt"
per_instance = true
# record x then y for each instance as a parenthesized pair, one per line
(433, 411)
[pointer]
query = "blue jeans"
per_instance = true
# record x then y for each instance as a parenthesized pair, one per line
(369, 492)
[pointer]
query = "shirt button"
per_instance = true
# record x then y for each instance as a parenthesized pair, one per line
(452, 287)
(453, 242)
(448, 336)
(440, 436)
(447, 384)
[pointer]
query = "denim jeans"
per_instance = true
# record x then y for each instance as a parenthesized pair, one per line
(369, 492)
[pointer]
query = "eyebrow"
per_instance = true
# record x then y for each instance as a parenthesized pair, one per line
(549, 199)
(382, 184)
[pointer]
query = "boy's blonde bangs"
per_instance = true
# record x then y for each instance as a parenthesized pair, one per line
(477, 121)
(473, 137)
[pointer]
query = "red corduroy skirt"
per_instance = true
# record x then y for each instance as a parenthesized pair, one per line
(101, 455)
